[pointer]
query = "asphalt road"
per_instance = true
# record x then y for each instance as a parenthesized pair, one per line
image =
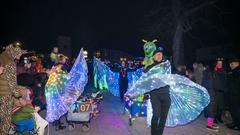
(112, 121)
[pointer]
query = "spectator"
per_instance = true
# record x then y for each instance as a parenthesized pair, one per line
(25, 66)
(54, 56)
(63, 61)
(189, 74)
(198, 72)
(38, 88)
(38, 65)
(181, 70)
(219, 86)
(207, 82)
(234, 93)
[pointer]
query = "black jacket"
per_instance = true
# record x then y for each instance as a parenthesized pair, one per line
(234, 85)
(156, 90)
(220, 81)
(207, 81)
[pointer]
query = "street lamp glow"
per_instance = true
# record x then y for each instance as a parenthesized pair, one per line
(17, 43)
(85, 54)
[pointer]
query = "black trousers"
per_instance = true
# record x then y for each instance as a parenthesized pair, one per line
(219, 106)
(235, 113)
(235, 110)
(161, 102)
(123, 86)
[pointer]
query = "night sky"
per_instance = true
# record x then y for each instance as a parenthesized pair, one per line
(114, 24)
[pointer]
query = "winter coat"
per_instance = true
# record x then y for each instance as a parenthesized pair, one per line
(219, 81)
(234, 85)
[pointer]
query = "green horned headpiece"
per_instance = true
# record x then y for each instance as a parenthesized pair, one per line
(149, 48)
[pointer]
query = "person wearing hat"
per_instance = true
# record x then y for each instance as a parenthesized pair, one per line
(234, 93)
(8, 85)
(220, 88)
(160, 98)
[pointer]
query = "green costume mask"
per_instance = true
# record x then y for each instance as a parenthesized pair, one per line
(149, 48)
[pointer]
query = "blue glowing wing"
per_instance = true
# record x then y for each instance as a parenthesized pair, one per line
(150, 80)
(106, 78)
(188, 99)
(77, 80)
(134, 76)
(53, 92)
(113, 83)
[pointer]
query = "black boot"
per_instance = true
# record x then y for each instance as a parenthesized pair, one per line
(59, 125)
(219, 118)
(215, 121)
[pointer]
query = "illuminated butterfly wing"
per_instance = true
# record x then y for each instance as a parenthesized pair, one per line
(106, 78)
(188, 99)
(76, 81)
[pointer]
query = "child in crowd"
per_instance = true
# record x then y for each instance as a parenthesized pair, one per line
(23, 111)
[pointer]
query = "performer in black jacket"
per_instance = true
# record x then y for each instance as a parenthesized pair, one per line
(123, 80)
(160, 99)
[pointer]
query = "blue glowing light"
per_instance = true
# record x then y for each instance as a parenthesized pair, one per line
(188, 99)
(63, 89)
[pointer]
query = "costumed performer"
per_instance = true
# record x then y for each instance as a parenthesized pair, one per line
(175, 99)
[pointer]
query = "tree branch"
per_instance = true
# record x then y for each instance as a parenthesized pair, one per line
(197, 38)
(186, 26)
(195, 9)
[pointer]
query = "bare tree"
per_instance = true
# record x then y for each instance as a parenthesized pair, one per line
(175, 19)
